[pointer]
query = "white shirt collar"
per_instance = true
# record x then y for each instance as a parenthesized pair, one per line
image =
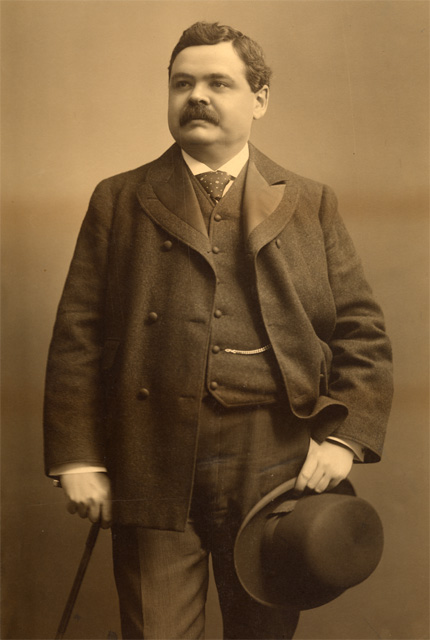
(233, 167)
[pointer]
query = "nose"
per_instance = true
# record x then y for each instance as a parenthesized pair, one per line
(199, 95)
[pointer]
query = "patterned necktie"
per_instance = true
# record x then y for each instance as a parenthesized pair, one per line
(214, 182)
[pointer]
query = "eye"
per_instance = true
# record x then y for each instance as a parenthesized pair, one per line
(219, 84)
(181, 84)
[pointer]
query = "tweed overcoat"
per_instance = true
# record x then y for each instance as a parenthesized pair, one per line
(126, 367)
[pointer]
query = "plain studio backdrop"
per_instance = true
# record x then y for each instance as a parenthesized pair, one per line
(85, 97)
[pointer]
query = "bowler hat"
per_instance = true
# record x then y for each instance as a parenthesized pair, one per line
(302, 552)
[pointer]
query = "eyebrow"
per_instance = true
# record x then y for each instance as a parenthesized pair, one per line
(209, 76)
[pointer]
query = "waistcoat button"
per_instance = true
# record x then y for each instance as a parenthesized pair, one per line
(214, 385)
(216, 349)
(218, 313)
(143, 394)
(167, 245)
(215, 249)
(217, 217)
(152, 316)
(278, 242)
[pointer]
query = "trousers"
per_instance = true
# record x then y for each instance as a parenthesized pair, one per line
(162, 576)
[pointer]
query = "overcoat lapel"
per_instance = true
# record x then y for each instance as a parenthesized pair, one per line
(270, 199)
(168, 197)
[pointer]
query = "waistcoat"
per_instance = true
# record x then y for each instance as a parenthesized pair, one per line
(236, 379)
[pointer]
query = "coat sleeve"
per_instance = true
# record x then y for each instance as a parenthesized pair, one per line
(74, 407)
(361, 368)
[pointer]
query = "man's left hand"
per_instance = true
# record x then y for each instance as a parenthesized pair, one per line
(325, 466)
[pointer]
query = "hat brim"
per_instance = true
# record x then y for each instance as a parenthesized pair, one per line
(248, 561)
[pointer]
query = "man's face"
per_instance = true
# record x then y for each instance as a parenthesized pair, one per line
(211, 105)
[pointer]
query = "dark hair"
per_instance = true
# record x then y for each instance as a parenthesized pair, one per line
(257, 72)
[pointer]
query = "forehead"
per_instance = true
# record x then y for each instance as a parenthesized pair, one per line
(208, 59)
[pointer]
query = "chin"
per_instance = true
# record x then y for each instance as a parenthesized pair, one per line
(194, 137)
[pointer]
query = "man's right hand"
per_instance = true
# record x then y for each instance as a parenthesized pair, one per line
(89, 495)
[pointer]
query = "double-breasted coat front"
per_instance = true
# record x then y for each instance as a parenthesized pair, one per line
(126, 368)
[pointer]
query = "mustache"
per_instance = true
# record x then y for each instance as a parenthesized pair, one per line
(197, 112)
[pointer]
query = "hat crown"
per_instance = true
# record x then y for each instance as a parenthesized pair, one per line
(329, 543)
(306, 556)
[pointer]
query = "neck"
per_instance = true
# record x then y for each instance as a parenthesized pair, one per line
(213, 158)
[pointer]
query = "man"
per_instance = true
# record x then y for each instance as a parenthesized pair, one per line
(215, 338)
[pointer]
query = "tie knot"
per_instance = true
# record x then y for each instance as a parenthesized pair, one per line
(214, 182)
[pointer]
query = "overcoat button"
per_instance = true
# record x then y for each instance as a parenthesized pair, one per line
(152, 316)
(214, 385)
(167, 246)
(278, 242)
(218, 313)
(143, 394)
(216, 349)
(215, 249)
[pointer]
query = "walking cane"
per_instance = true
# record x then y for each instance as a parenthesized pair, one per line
(89, 546)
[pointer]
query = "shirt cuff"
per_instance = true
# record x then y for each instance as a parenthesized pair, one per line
(75, 467)
(357, 448)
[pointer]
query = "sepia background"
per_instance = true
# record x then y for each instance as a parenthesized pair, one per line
(84, 97)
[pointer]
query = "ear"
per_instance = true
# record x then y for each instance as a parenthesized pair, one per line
(261, 98)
